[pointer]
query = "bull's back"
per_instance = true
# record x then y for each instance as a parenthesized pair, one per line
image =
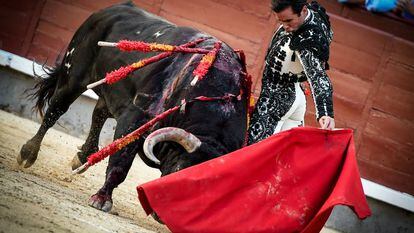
(126, 21)
(131, 23)
(122, 21)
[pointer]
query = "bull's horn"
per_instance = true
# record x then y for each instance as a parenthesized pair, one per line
(180, 136)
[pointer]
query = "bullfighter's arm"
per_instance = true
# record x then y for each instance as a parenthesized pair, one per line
(320, 84)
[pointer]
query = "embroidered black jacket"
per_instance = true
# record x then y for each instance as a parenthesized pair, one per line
(311, 44)
(292, 58)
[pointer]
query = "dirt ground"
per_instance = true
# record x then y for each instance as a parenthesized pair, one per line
(47, 198)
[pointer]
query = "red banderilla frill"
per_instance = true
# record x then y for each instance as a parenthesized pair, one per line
(122, 142)
(123, 72)
(126, 45)
(205, 64)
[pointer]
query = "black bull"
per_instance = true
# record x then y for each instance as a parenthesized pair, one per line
(219, 125)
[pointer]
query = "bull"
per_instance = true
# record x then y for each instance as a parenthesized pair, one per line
(203, 131)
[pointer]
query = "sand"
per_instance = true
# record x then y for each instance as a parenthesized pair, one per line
(47, 198)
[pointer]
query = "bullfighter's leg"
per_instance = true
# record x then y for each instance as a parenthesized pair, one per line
(59, 104)
(295, 117)
(120, 162)
(99, 116)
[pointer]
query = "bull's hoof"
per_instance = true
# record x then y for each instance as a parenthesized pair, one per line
(76, 163)
(28, 154)
(101, 202)
(81, 157)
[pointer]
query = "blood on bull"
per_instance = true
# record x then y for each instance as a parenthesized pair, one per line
(210, 128)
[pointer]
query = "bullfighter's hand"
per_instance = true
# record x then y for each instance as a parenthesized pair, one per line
(327, 122)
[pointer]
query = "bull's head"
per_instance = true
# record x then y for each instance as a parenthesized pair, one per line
(173, 161)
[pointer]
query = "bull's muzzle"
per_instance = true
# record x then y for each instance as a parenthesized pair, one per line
(180, 136)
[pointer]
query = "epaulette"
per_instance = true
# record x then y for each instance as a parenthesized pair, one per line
(312, 37)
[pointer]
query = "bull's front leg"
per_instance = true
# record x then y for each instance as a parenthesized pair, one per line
(119, 163)
(116, 172)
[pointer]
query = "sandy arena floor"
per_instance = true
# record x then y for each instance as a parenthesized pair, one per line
(47, 198)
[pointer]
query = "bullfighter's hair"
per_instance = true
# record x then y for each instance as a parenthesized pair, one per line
(279, 5)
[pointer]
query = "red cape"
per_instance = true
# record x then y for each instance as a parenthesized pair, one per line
(287, 183)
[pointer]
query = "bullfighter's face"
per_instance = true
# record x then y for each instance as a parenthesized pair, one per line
(290, 20)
